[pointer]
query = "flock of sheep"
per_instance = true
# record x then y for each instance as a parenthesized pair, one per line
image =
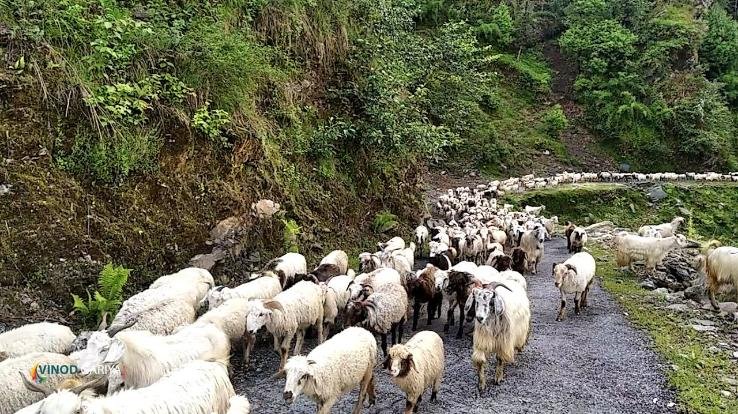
(156, 356)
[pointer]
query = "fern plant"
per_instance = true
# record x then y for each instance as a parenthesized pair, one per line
(289, 236)
(384, 221)
(106, 300)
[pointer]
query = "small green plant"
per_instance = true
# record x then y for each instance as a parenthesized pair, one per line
(211, 123)
(105, 302)
(289, 236)
(554, 121)
(384, 221)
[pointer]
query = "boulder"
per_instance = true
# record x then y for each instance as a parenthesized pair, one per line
(656, 193)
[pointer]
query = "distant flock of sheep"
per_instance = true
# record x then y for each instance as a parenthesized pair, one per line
(156, 356)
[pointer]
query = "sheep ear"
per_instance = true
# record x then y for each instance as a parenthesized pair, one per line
(553, 267)
(311, 362)
(499, 305)
(411, 361)
(273, 305)
(470, 301)
(571, 267)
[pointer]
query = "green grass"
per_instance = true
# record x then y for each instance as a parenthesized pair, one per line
(695, 372)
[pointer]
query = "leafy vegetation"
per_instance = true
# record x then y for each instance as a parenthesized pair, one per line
(695, 371)
(104, 303)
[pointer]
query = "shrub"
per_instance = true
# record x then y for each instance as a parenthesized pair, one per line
(554, 121)
(384, 221)
(106, 301)
(211, 123)
(290, 235)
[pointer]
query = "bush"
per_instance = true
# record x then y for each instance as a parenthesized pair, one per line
(106, 301)
(384, 221)
(210, 122)
(554, 121)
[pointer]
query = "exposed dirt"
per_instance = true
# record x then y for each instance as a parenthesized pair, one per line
(591, 363)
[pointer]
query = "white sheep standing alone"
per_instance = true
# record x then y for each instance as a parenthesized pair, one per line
(200, 387)
(288, 314)
(334, 368)
(533, 249)
(575, 276)
(631, 248)
(36, 337)
(416, 366)
(421, 238)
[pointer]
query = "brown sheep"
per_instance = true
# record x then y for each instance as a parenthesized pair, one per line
(519, 260)
(422, 289)
(567, 233)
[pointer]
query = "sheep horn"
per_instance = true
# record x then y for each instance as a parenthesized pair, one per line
(219, 288)
(31, 386)
(113, 331)
(494, 285)
(103, 322)
(89, 384)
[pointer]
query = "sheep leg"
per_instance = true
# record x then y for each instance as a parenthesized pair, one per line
(363, 386)
(384, 344)
(416, 314)
(409, 406)
(431, 311)
(562, 309)
(321, 334)
(248, 345)
(713, 301)
(324, 407)
(449, 316)
(499, 371)
(479, 360)
(436, 388)
(460, 333)
(400, 330)
(327, 329)
(577, 302)
(371, 392)
(301, 337)
(285, 350)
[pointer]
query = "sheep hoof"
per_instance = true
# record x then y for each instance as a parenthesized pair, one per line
(279, 374)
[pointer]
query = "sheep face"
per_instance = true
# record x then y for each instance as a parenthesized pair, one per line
(299, 377)
(214, 298)
(260, 313)
(487, 302)
(399, 361)
(561, 271)
(356, 313)
(92, 356)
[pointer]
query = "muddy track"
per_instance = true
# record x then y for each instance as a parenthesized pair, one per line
(592, 363)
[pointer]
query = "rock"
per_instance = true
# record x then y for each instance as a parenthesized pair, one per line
(226, 228)
(546, 152)
(729, 381)
(679, 307)
(694, 293)
(34, 306)
(703, 322)
(675, 297)
(661, 291)
(684, 212)
(704, 328)
(208, 261)
(5, 189)
(264, 208)
(624, 167)
(726, 394)
(735, 355)
(656, 193)
(648, 284)
(632, 208)
(729, 307)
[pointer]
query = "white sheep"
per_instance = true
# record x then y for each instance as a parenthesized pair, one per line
(421, 238)
(285, 267)
(366, 283)
(369, 262)
(338, 258)
(631, 248)
(185, 280)
(502, 325)
(395, 243)
(334, 368)
(13, 394)
(145, 358)
(288, 314)
(721, 268)
(265, 287)
(533, 249)
(382, 312)
(664, 229)
(36, 337)
(416, 366)
(337, 297)
(575, 276)
(230, 317)
(200, 387)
